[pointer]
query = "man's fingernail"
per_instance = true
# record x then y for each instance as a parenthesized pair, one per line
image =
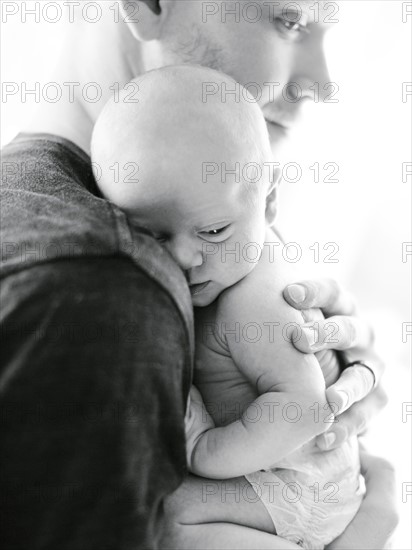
(309, 336)
(344, 397)
(297, 293)
(327, 440)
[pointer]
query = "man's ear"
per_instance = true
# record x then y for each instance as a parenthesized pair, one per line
(272, 196)
(144, 18)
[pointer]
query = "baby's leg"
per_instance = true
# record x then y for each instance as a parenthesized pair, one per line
(218, 536)
(211, 514)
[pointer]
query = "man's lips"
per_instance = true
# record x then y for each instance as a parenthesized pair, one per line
(285, 120)
(198, 287)
(277, 125)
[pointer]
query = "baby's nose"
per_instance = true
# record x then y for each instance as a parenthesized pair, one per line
(187, 254)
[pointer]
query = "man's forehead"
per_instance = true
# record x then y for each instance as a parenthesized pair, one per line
(286, 3)
(310, 11)
(286, 6)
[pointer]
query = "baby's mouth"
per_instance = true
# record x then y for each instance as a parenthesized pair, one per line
(196, 288)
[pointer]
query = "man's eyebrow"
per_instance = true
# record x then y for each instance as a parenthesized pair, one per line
(294, 6)
(276, 8)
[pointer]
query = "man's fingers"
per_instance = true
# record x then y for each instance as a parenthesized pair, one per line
(353, 385)
(354, 420)
(346, 425)
(338, 332)
(369, 357)
(325, 294)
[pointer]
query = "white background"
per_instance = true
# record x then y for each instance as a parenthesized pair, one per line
(367, 213)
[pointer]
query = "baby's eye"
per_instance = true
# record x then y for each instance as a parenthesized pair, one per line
(216, 231)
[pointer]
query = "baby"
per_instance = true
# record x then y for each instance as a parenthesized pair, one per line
(197, 172)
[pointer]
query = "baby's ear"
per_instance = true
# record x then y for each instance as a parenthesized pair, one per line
(272, 196)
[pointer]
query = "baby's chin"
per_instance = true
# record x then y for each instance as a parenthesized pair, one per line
(206, 296)
(203, 300)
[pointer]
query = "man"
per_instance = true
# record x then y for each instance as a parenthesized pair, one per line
(97, 316)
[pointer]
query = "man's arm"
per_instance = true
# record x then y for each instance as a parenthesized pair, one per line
(377, 518)
(93, 367)
(199, 504)
(212, 514)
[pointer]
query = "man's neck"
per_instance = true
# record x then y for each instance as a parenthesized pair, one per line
(107, 55)
(71, 122)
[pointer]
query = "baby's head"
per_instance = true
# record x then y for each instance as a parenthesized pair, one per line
(193, 168)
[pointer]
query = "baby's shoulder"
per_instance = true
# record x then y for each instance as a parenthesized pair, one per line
(260, 293)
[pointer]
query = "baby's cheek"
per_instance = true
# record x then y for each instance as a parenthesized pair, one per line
(246, 262)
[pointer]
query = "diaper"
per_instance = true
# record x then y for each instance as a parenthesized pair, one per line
(309, 512)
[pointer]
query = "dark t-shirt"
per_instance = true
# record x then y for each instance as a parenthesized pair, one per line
(97, 347)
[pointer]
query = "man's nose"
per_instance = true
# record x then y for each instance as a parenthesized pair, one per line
(187, 252)
(312, 74)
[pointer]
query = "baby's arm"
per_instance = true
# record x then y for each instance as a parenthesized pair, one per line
(291, 408)
(198, 422)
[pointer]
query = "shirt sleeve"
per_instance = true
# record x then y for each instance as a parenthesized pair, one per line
(93, 363)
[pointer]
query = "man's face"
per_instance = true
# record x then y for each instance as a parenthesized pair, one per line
(275, 49)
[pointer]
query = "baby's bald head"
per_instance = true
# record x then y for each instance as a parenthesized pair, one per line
(164, 133)
(163, 119)
(152, 156)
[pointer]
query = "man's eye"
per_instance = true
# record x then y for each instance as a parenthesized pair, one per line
(289, 27)
(161, 238)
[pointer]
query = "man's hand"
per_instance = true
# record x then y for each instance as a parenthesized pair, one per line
(356, 395)
(341, 330)
(377, 518)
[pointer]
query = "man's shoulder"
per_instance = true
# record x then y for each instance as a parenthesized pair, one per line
(45, 178)
(36, 162)
(51, 211)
